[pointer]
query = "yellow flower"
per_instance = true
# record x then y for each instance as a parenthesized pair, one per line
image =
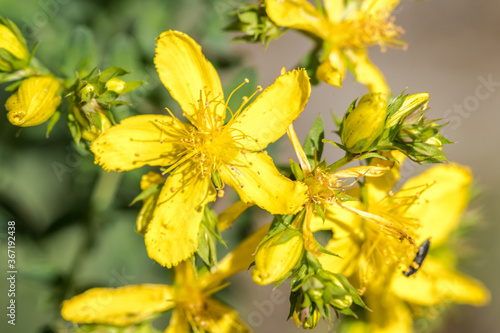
(189, 297)
(324, 189)
(347, 29)
(375, 254)
(194, 151)
(13, 43)
(34, 102)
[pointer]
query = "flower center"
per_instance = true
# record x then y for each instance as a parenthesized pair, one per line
(367, 30)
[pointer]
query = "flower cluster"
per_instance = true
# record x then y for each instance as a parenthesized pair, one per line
(382, 258)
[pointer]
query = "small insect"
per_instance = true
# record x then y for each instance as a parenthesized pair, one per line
(419, 258)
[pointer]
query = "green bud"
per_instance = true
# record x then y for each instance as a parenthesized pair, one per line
(87, 92)
(278, 256)
(362, 126)
(410, 104)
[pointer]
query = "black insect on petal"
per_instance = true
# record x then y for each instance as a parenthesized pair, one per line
(419, 258)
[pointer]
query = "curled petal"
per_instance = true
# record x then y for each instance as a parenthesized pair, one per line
(34, 102)
(332, 70)
(121, 306)
(366, 72)
(172, 234)
(297, 14)
(257, 181)
(140, 140)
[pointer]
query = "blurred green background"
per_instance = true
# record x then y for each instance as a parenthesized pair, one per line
(74, 227)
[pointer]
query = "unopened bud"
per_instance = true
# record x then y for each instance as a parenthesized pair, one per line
(410, 104)
(276, 258)
(116, 85)
(365, 123)
(13, 51)
(34, 102)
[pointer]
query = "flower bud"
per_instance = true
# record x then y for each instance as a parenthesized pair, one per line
(13, 51)
(362, 126)
(116, 85)
(34, 102)
(410, 104)
(276, 258)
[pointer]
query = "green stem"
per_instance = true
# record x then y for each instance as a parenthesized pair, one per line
(340, 163)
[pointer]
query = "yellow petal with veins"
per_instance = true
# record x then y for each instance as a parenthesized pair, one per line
(441, 195)
(435, 283)
(257, 181)
(140, 140)
(172, 234)
(121, 306)
(187, 74)
(298, 14)
(268, 117)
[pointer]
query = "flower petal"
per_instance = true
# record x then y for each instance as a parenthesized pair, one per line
(435, 283)
(366, 72)
(178, 323)
(374, 6)
(345, 242)
(332, 70)
(236, 261)
(441, 195)
(378, 188)
(267, 118)
(140, 140)
(257, 181)
(297, 14)
(121, 306)
(223, 319)
(186, 73)
(389, 314)
(228, 216)
(172, 234)
(334, 9)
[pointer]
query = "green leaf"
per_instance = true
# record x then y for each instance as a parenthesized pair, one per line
(111, 72)
(53, 120)
(296, 170)
(313, 145)
(146, 193)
